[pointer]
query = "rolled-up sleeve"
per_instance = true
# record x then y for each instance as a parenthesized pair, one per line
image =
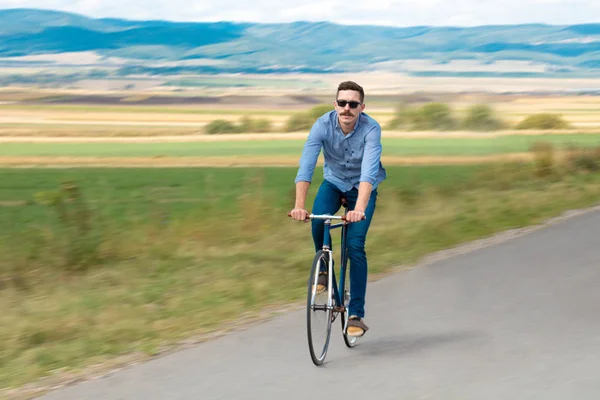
(371, 156)
(310, 154)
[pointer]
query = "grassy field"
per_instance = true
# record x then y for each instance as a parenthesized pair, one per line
(141, 259)
(292, 148)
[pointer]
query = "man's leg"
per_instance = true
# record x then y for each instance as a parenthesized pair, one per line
(327, 201)
(355, 242)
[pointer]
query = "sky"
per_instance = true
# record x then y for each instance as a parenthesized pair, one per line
(349, 12)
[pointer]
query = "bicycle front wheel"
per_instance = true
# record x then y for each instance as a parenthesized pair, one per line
(349, 340)
(318, 313)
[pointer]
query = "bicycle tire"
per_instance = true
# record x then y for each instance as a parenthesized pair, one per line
(350, 341)
(318, 352)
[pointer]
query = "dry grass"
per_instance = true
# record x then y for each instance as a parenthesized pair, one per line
(42, 132)
(60, 116)
(241, 161)
(116, 132)
(582, 111)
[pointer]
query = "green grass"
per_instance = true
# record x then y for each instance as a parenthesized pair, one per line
(391, 147)
(179, 252)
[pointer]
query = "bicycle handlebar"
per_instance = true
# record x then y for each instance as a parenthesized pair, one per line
(325, 216)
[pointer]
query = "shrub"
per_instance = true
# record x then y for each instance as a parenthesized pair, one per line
(543, 121)
(248, 124)
(543, 158)
(304, 121)
(262, 125)
(431, 116)
(586, 160)
(435, 116)
(481, 118)
(317, 111)
(402, 117)
(220, 126)
(82, 238)
(299, 122)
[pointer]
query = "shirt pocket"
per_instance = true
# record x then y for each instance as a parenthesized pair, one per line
(356, 149)
(336, 148)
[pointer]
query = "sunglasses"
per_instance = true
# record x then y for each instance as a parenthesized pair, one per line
(352, 104)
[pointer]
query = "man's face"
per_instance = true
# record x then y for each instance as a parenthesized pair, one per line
(348, 99)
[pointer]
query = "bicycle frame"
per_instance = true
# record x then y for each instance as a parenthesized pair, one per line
(336, 301)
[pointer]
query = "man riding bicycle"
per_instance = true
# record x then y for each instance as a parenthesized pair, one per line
(351, 143)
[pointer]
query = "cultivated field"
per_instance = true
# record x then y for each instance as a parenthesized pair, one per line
(170, 129)
(71, 113)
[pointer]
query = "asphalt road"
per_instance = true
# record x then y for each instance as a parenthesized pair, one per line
(515, 320)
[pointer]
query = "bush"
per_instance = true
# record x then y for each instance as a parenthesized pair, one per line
(299, 122)
(543, 121)
(81, 237)
(585, 160)
(543, 158)
(481, 118)
(220, 126)
(402, 117)
(304, 121)
(318, 111)
(436, 116)
(245, 125)
(431, 116)
(248, 124)
(262, 125)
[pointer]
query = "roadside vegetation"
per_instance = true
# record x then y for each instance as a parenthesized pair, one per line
(101, 263)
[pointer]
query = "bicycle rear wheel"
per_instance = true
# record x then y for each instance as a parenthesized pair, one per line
(318, 314)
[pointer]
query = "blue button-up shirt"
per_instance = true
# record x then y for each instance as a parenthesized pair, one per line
(349, 159)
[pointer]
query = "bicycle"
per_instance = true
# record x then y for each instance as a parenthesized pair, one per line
(332, 305)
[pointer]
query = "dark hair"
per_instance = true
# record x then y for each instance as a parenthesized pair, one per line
(349, 85)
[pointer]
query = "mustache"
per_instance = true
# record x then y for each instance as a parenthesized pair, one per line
(347, 113)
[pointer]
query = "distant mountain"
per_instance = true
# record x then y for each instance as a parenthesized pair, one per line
(300, 46)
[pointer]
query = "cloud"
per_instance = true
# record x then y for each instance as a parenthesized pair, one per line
(379, 12)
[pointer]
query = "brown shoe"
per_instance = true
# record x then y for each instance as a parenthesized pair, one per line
(322, 282)
(356, 327)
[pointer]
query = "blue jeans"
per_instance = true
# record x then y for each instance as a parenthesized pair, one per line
(328, 201)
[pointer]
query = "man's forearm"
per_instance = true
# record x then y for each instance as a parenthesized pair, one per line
(364, 193)
(301, 193)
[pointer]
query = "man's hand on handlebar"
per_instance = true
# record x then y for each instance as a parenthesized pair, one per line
(299, 214)
(355, 216)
